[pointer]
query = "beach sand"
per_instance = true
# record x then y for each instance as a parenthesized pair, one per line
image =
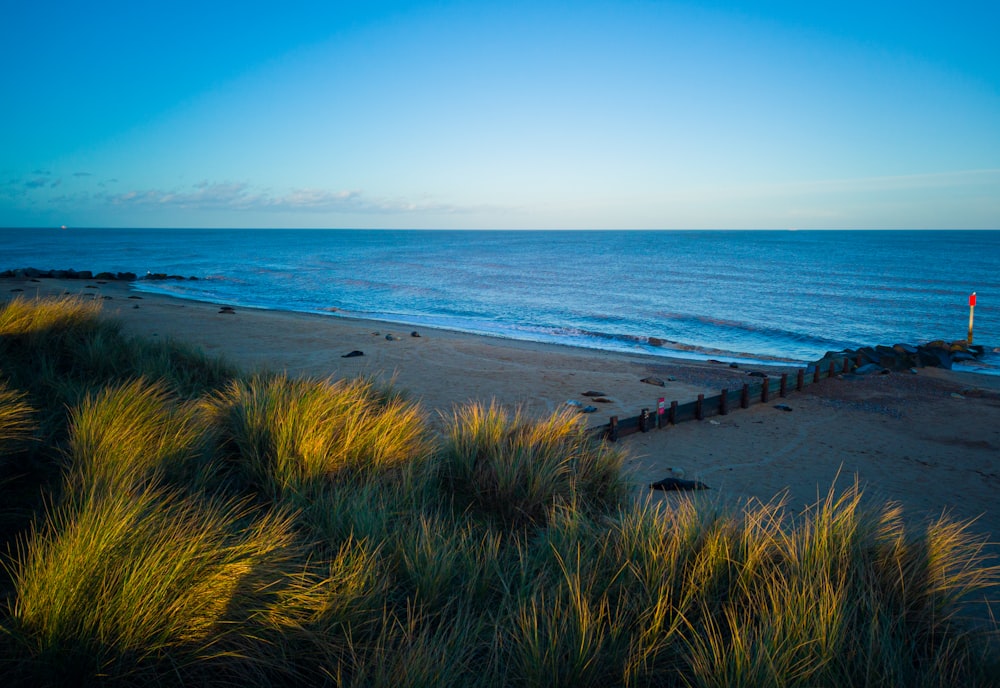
(929, 441)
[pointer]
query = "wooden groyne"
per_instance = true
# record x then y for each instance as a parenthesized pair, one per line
(765, 388)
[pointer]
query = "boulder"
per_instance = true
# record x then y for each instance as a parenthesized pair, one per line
(353, 354)
(654, 381)
(677, 484)
(869, 368)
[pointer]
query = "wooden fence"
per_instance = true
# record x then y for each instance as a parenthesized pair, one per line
(761, 390)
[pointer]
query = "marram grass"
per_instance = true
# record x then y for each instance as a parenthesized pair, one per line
(276, 531)
(16, 418)
(292, 435)
(517, 469)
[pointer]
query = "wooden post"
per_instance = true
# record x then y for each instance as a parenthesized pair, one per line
(699, 411)
(724, 402)
(847, 364)
(613, 429)
(800, 380)
(829, 371)
(765, 390)
(672, 414)
(784, 385)
(745, 396)
(644, 420)
(816, 373)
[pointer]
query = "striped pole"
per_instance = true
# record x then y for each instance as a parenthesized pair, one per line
(972, 308)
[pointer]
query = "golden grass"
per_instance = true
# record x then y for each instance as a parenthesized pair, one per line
(277, 531)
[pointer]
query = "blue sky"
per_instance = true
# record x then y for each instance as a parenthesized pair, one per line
(501, 115)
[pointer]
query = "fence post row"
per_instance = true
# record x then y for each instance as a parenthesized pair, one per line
(643, 422)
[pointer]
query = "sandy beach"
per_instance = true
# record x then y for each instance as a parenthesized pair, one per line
(929, 441)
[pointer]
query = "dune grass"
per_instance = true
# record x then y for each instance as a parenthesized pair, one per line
(266, 530)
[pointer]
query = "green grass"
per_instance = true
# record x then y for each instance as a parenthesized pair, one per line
(197, 526)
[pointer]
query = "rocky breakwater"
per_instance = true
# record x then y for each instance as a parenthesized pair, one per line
(34, 273)
(881, 358)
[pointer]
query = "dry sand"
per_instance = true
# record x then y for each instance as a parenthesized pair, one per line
(929, 441)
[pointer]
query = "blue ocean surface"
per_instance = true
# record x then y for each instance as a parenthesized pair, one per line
(730, 295)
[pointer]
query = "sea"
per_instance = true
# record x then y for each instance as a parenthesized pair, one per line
(736, 296)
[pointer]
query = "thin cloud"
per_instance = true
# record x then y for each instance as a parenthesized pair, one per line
(241, 196)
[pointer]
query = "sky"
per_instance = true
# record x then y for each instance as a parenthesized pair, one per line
(544, 114)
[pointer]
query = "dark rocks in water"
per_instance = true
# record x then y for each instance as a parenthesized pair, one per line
(654, 381)
(900, 357)
(353, 354)
(678, 485)
(656, 341)
(592, 393)
(162, 276)
(105, 276)
(228, 310)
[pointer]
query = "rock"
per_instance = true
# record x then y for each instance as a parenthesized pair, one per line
(677, 484)
(869, 368)
(592, 393)
(105, 276)
(353, 354)
(136, 297)
(654, 381)
(783, 407)
(588, 409)
(756, 373)
(671, 378)
(734, 365)
(959, 356)
(414, 334)
(656, 341)
(390, 338)
(602, 400)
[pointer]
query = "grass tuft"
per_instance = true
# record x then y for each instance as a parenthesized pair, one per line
(517, 469)
(293, 436)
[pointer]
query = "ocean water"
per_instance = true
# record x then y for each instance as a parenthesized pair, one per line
(730, 295)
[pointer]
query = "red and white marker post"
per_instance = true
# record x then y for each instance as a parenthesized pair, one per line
(972, 308)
